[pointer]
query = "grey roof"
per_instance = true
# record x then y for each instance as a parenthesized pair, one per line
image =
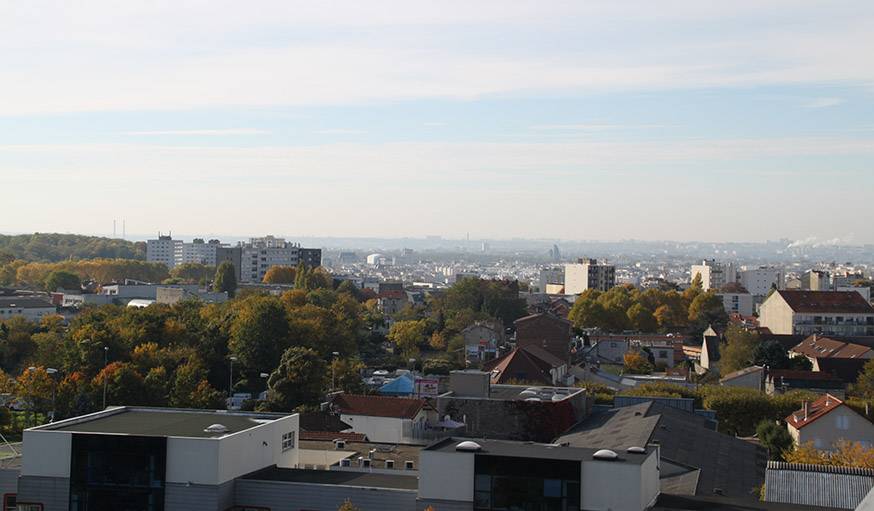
(22, 302)
(517, 449)
(668, 502)
(817, 485)
(728, 465)
(336, 477)
(163, 422)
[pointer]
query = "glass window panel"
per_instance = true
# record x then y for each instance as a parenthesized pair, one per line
(483, 483)
(551, 488)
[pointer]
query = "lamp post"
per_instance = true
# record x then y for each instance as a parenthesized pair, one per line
(105, 376)
(231, 359)
(333, 370)
(52, 371)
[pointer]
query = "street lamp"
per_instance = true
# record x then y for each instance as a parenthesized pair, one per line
(51, 371)
(333, 370)
(232, 359)
(105, 376)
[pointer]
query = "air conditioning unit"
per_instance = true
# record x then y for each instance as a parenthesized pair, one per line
(389, 463)
(408, 465)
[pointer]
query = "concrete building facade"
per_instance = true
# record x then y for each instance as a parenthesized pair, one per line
(759, 281)
(714, 275)
(588, 274)
(800, 312)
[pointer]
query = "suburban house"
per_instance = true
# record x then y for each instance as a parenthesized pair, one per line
(384, 419)
(752, 377)
(546, 331)
(481, 341)
(528, 365)
(827, 420)
(823, 312)
(779, 381)
(847, 369)
(710, 349)
(820, 346)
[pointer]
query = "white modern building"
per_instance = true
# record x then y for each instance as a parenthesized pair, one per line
(259, 254)
(714, 275)
(198, 251)
(30, 308)
(163, 250)
(759, 281)
(737, 303)
(588, 274)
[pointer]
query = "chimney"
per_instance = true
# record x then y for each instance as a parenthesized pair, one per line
(806, 409)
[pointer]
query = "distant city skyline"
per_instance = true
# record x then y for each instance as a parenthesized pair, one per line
(682, 120)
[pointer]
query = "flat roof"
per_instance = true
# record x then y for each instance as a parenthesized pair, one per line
(336, 477)
(399, 453)
(516, 449)
(162, 422)
(504, 392)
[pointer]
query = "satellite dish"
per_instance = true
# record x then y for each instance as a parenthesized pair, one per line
(636, 450)
(468, 446)
(605, 455)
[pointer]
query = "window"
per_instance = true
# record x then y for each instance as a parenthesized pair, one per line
(27, 506)
(288, 441)
(9, 502)
(842, 422)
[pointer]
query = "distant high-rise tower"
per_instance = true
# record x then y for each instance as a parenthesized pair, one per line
(556, 253)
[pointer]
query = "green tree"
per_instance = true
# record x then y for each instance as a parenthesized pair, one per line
(61, 279)
(739, 351)
(694, 289)
(346, 373)
(225, 279)
(636, 363)
(124, 385)
(300, 276)
(347, 506)
(775, 438)
(707, 309)
(259, 333)
(299, 380)
(193, 272)
(864, 386)
(641, 318)
(407, 335)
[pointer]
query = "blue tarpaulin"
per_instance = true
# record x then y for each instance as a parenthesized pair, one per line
(400, 386)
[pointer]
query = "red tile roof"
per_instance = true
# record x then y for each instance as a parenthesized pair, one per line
(815, 410)
(831, 302)
(817, 346)
(532, 361)
(378, 406)
(795, 374)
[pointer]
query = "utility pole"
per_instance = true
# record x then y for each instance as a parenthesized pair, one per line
(231, 376)
(105, 376)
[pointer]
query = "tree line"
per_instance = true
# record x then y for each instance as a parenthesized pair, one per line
(58, 247)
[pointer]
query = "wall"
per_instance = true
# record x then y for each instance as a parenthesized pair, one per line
(446, 475)
(47, 454)
(9, 481)
(192, 460)
(611, 485)
(753, 380)
(52, 492)
(245, 452)
(198, 497)
(288, 496)
(387, 430)
(776, 315)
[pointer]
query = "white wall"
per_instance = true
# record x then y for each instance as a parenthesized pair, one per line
(192, 460)
(446, 475)
(776, 315)
(387, 430)
(47, 454)
(612, 485)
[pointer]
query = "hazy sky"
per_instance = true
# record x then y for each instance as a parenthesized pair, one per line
(577, 120)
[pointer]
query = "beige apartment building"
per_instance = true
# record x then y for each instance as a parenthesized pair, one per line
(799, 312)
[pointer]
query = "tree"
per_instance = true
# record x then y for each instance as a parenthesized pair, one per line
(641, 318)
(771, 354)
(193, 272)
(407, 335)
(124, 385)
(61, 279)
(437, 341)
(225, 279)
(347, 506)
(864, 386)
(299, 380)
(300, 276)
(845, 454)
(739, 351)
(775, 437)
(694, 289)
(707, 309)
(636, 363)
(34, 388)
(806, 453)
(346, 373)
(279, 274)
(259, 333)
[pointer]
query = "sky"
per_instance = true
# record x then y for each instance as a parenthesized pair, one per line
(578, 120)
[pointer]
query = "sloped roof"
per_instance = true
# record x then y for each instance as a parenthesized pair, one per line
(817, 485)
(817, 346)
(847, 369)
(819, 408)
(401, 386)
(539, 315)
(832, 302)
(532, 361)
(726, 463)
(378, 406)
(741, 372)
(321, 421)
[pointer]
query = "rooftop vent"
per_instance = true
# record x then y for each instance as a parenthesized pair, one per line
(469, 446)
(636, 450)
(216, 428)
(605, 455)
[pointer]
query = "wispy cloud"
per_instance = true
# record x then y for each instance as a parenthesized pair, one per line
(823, 102)
(596, 127)
(198, 133)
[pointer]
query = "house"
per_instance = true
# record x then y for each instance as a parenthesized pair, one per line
(695, 459)
(459, 473)
(779, 381)
(752, 377)
(384, 419)
(846, 369)
(391, 301)
(529, 365)
(817, 485)
(31, 308)
(820, 346)
(546, 331)
(823, 312)
(481, 341)
(710, 349)
(827, 420)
